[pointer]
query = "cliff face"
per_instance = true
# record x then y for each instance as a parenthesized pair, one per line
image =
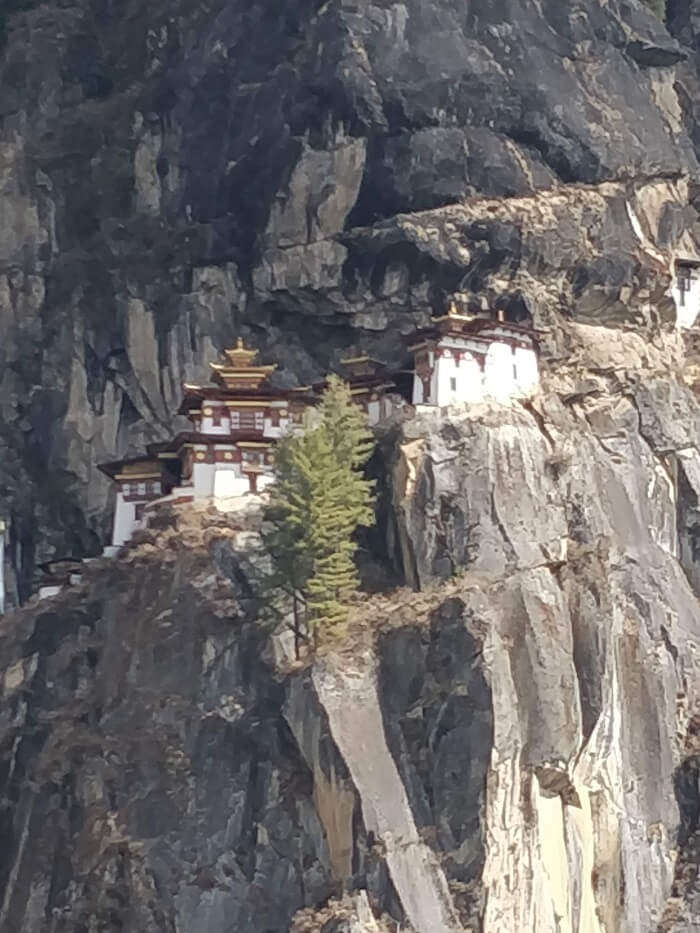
(174, 174)
(515, 747)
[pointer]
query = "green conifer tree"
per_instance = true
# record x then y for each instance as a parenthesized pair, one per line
(317, 503)
(284, 536)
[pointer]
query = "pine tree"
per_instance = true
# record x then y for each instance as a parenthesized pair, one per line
(345, 423)
(287, 519)
(317, 503)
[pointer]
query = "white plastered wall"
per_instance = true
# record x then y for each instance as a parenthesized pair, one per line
(458, 382)
(229, 483)
(203, 480)
(125, 523)
(216, 430)
(418, 394)
(207, 423)
(507, 372)
(527, 376)
(687, 303)
(499, 371)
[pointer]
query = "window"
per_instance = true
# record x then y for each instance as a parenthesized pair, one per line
(251, 421)
(686, 276)
(453, 384)
(235, 420)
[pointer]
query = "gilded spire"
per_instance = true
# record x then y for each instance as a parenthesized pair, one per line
(240, 357)
(239, 371)
(456, 313)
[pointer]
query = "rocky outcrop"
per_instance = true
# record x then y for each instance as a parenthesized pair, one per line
(174, 175)
(570, 510)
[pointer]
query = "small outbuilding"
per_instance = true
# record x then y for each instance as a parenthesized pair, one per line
(686, 291)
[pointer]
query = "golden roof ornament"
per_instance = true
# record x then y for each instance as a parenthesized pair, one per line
(239, 370)
(240, 357)
(455, 313)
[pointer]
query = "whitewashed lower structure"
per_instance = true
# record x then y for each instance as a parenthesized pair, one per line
(464, 359)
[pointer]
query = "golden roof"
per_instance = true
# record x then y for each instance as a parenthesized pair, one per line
(454, 314)
(239, 369)
(240, 356)
(140, 467)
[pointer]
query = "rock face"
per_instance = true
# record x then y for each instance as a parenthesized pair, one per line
(512, 747)
(570, 518)
(508, 742)
(174, 174)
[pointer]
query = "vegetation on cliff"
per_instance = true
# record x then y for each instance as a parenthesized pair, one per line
(318, 502)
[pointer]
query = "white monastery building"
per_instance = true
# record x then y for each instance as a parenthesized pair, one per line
(236, 421)
(465, 358)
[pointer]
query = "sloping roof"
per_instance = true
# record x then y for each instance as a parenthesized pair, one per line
(129, 465)
(195, 395)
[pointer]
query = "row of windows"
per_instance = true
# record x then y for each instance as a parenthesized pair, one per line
(139, 489)
(244, 420)
(453, 379)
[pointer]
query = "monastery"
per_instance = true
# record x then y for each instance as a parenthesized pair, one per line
(239, 416)
(236, 420)
(461, 358)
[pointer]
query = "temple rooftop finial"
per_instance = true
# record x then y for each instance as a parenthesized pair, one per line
(239, 370)
(240, 356)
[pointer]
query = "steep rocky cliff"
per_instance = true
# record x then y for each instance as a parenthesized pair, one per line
(514, 748)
